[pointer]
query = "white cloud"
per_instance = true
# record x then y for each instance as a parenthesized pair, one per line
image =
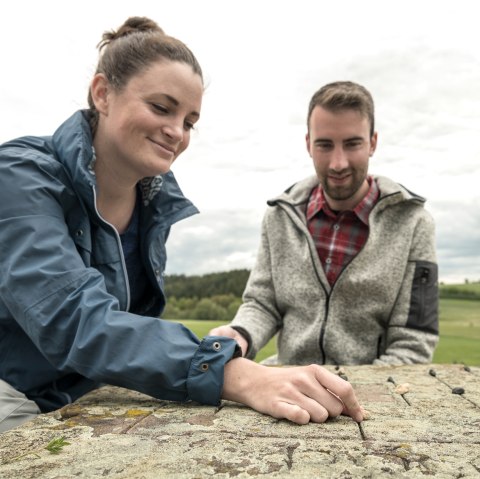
(262, 62)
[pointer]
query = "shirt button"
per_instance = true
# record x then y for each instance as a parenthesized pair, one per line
(336, 227)
(328, 260)
(204, 367)
(79, 232)
(216, 346)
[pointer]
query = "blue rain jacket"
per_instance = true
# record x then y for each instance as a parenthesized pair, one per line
(64, 294)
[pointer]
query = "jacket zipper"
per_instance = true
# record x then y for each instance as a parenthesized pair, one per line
(119, 244)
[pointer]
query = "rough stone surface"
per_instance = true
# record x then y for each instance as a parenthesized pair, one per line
(115, 433)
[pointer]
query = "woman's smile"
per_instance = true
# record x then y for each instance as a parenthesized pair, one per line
(162, 148)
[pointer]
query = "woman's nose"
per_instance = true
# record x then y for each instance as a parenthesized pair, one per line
(173, 131)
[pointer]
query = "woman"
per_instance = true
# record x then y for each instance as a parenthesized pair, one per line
(84, 217)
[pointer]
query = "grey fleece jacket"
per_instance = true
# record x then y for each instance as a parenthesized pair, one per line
(383, 308)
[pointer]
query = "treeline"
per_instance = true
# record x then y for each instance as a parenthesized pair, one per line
(460, 291)
(213, 296)
(207, 285)
(217, 296)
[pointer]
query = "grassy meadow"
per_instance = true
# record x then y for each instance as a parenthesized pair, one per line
(459, 332)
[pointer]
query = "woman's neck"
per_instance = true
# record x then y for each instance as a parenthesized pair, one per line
(117, 210)
(116, 197)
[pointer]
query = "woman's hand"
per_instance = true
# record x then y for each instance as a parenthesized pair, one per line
(300, 394)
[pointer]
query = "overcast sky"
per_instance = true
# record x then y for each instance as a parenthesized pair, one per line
(262, 62)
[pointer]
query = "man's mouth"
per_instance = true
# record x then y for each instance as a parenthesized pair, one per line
(338, 179)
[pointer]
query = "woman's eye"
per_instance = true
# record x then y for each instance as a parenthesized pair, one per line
(188, 125)
(159, 108)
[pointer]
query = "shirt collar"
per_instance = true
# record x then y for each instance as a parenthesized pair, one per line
(317, 202)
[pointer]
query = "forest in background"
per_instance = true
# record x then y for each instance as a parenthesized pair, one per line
(217, 296)
(213, 296)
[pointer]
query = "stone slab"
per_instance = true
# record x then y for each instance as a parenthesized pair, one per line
(116, 433)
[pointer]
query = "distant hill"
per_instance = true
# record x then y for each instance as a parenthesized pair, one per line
(217, 296)
(233, 282)
(460, 291)
(205, 286)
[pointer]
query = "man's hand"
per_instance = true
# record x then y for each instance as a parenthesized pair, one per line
(231, 333)
(300, 394)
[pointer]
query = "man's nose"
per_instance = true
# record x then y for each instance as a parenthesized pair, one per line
(339, 160)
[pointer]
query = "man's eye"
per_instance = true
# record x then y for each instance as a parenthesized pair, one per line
(324, 146)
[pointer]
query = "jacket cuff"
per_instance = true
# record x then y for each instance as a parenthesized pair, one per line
(246, 335)
(205, 376)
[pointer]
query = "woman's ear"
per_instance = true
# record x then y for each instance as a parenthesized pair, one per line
(99, 89)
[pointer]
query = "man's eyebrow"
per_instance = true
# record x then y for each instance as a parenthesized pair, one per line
(319, 141)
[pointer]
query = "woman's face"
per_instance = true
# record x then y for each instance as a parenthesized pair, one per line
(146, 125)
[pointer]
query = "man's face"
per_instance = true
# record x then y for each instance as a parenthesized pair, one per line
(340, 146)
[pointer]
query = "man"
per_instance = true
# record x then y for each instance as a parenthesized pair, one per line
(346, 271)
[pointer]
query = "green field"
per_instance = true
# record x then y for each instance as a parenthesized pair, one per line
(459, 333)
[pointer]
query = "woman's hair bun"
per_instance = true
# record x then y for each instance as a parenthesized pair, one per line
(131, 25)
(132, 48)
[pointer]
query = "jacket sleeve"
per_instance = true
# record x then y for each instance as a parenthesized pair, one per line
(65, 309)
(412, 333)
(259, 315)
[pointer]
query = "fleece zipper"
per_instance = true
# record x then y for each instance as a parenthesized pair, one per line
(290, 209)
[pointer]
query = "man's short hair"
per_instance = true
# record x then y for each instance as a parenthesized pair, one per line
(344, 95)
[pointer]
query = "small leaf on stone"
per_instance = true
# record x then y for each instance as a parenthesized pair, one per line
(402, 388)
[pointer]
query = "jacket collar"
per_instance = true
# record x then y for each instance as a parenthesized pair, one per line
(390, 192)
(73, 144)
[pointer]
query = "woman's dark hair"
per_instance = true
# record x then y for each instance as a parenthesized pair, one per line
(131, 49)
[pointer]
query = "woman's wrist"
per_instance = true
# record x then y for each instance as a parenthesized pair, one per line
(239, 377)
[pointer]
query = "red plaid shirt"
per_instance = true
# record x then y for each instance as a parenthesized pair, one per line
(338, 237)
